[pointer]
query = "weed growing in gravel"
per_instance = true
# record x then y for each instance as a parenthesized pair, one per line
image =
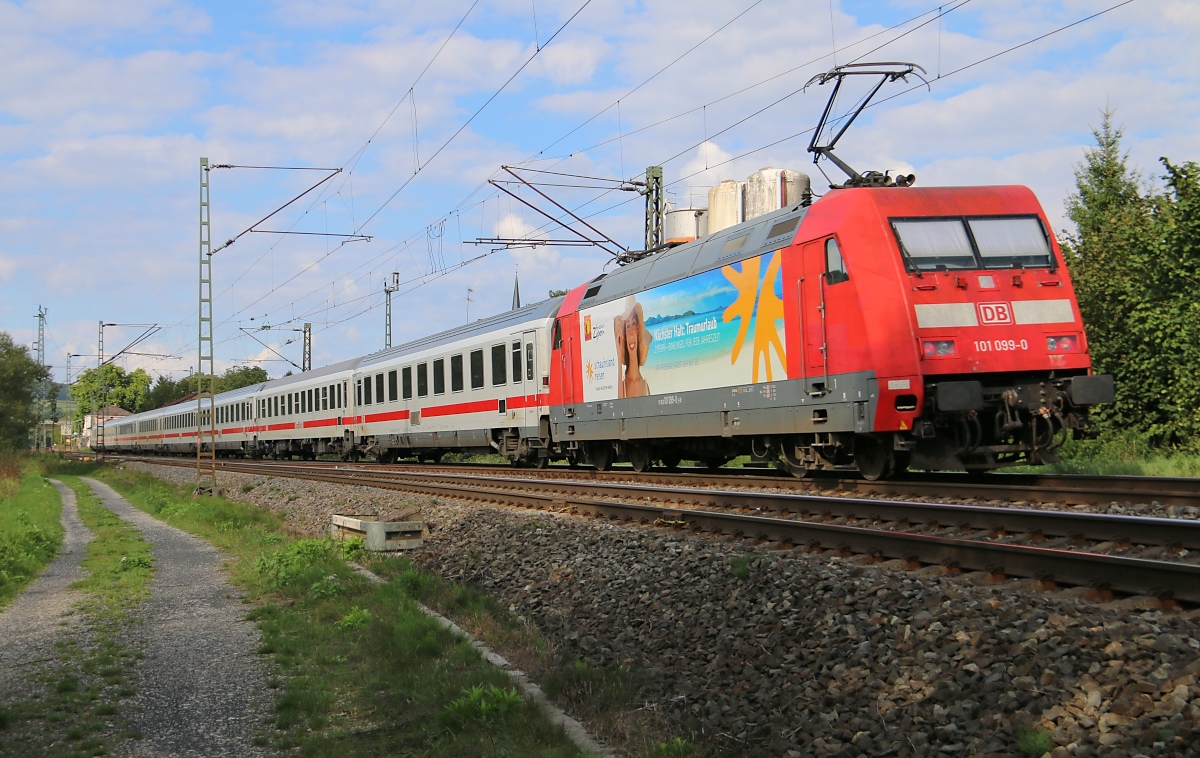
(375, 687)
(30, 532)
(92, 668)
(739, 565)
(1034, 742)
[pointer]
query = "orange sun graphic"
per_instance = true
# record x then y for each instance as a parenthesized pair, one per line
(751, 292)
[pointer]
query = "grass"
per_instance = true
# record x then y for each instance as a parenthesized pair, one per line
(1034, 742)
(93, 670)
(1119, 455)
(30, 528)
(358, 669)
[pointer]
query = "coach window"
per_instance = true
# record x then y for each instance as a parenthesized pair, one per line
(439, 376)
(289, 403)
(367, 390)
(476, 369)
(309, 406)
(498, 365)
(358, 392)
(393, 395)
(406, 381)
(324, 398)
(456, 373)
(835, 267)
(338, 387)
(422, 379)
(379, 389)
(516, 361)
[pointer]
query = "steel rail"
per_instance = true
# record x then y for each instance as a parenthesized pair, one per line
(1064, 489)
(1179, 581)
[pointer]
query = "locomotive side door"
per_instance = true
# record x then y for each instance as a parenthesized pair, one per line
(812, 317)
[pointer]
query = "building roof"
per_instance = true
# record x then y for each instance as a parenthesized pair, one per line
(114, 411)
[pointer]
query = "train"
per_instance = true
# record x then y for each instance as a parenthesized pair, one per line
(877, 328)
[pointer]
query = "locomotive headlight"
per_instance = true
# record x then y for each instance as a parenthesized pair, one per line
(1066, 343)
(940, 349)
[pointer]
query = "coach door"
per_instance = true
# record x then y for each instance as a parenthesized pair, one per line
(526, 363)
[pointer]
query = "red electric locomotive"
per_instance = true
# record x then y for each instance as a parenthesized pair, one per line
(879, 327)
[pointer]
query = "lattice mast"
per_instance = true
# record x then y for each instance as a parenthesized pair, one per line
(206, 459)
(656, 208)
(43, 385)
(306, 362)
(388, 289)
(99, 394)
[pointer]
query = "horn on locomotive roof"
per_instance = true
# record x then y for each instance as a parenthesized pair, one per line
(888, 71)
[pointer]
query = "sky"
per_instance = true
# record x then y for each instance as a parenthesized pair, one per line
(107, 108)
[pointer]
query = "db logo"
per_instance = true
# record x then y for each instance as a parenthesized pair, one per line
(995, 313)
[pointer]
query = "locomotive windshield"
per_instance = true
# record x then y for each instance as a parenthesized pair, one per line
(933, 244)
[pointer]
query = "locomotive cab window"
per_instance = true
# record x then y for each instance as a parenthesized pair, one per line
(996, 242)
(933, 244)
(1011, 242)
(835, 267)
(557, 345)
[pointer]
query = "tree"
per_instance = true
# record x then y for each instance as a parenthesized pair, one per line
(19, 378)
(1105, 256)
(110, 385)
(165, 391)
(241, 376)
(1135, 261)
(558, 293)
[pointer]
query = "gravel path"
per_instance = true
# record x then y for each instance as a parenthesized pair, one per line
(203, 691)
(34, 622)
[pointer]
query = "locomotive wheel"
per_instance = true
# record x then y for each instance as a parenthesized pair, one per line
(600, 455)
(541, 462)
(639, 457)
(873, 457)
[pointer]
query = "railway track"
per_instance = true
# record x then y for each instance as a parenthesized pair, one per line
(1052, 546)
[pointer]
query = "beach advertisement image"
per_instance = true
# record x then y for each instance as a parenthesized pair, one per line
(721, 328)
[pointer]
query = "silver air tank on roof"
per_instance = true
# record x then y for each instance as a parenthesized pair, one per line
(731, 202)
